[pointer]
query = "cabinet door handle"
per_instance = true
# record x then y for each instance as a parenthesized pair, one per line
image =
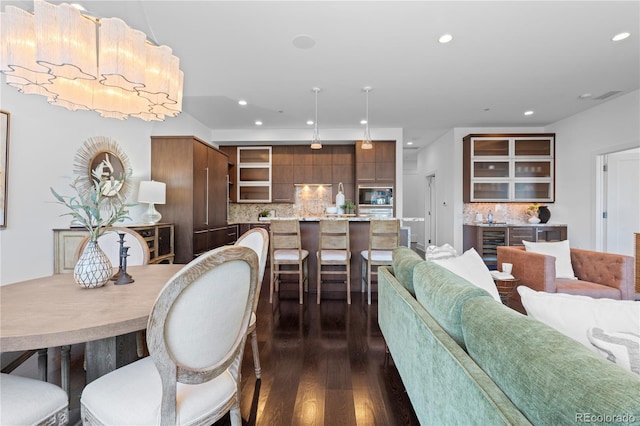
(206, 197)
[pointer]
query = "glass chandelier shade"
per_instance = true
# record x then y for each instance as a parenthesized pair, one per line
(84, 63)
(315, 140)
(366, 140)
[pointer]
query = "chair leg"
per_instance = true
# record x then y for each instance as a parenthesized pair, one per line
(348, 282)
(300, 282)
(319, 280)
(369, 281)
(256, 355)
(236, 417)
(362, 273)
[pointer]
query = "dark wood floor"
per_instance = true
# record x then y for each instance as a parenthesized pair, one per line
(321, 365)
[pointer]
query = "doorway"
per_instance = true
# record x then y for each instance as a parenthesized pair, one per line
(620, 202)
(430, 220)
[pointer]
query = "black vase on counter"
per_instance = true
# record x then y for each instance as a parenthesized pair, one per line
(544, 214)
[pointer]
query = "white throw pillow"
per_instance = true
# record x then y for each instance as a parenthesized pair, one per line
(574, 315)
(560, 250)
(621, 348)
(471, 267)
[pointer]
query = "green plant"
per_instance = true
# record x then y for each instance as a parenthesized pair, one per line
(348, 206)
(532, 210)
(96, 208)
(264, 213)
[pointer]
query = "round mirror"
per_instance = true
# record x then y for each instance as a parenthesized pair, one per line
(102, 156)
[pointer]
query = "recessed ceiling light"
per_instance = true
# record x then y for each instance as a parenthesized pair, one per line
(620, 36)
(445, 38)
(310, 122)
(528, 112)
(363, 121)
(242, 102)
(303, 41)
(585, 96)
(410, 143)
(258, 123)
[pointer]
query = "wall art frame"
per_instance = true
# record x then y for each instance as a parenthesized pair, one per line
(5, 121)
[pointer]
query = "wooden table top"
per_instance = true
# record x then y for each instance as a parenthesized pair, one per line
(55, 311)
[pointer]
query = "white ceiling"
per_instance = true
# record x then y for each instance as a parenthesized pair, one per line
(506, 57)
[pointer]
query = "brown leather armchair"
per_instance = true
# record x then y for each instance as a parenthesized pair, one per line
(600, 275)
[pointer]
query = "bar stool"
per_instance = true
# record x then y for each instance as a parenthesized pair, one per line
(384, 236)
(286, 250)
(333, 249)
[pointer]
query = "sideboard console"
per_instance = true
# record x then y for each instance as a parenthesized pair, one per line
(159, 238)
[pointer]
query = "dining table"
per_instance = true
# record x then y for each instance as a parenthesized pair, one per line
(54, 311)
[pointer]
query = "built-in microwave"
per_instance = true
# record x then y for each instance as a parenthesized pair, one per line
(375, 195)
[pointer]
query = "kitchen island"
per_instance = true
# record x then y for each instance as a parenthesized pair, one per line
(358, 240)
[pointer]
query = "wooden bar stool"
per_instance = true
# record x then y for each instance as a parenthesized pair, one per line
(384, 236)
(333, 249)
(287, 251)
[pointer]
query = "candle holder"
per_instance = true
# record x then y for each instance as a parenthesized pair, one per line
(117, 275)
(124, 278)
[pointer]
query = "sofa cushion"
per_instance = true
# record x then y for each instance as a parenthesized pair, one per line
(443, 293)
(587, 288)
(404, 260)
(552, 379)
(620, 348)
(472, 268)
(561, 250)
(573, 315)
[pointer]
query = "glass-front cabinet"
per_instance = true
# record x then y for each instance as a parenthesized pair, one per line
(254, 174)
(509, 168)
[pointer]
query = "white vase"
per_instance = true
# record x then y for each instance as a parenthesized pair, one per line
(534, 220)
(94, 268)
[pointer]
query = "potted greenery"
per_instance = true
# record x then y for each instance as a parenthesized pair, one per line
(348, 207)
(532, 212)
(95, 209)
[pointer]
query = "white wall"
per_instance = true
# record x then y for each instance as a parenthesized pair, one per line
(43, 143)
(444, 159)
(609, 127)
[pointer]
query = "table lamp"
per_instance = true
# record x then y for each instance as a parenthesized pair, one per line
(152, 192)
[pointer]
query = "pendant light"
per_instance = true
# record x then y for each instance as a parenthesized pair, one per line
(366, 140)
(315, 141)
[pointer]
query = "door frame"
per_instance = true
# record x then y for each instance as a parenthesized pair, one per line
(430, 211)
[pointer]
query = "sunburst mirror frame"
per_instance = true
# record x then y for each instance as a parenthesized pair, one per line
(104, 154)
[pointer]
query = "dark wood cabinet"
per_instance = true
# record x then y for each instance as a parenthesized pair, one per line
(376, 165)
(282, 179)
(196, 177)
(232, 171)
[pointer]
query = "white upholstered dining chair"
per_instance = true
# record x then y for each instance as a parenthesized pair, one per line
(196, 335)
(258, 240)
(25, 401)
(109, 242)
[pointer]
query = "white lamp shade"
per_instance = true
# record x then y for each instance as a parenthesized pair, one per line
(152, 192)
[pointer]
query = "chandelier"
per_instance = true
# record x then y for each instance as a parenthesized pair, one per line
(366, 140)
(315, 140)
(85, 63)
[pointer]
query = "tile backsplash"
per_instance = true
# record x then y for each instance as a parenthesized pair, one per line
(510, 213)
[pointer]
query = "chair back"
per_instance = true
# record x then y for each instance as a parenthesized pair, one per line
(334, 235)
(257, 239)
(285, 235)
(109, 242)
(198, 324)
(384, 234)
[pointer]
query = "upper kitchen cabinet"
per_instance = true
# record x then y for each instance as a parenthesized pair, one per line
(282, 187)
(377, 165)
(509, 168)
(254, 174)
(196, 177)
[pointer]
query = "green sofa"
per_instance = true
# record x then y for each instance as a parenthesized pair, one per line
(466, 359)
